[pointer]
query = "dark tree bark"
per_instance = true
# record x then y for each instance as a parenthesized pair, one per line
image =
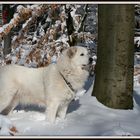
(114, 69)
(70, 26)
(7, 15)
(7, 44)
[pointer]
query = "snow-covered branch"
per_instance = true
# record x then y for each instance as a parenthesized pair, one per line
(21, 15)
(40, 10)
(83, 18)
(45, 33)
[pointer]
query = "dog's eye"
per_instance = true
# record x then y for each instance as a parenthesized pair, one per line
(81, 54)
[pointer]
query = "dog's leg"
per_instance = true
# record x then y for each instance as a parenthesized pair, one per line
(7, 103)
(12, 104)
(52, 111)
(62, 111)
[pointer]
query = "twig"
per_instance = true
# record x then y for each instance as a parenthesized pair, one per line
(83, 18)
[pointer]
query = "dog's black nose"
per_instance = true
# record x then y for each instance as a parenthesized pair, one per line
(90, 60)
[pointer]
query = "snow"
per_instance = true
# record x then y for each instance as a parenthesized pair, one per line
(25, 24)
(5, 124)
(15, 15)
(86, 116)
(19, 7)
(1, 29)
(137, 40)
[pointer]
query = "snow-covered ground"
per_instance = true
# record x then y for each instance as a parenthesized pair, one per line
(85, 117)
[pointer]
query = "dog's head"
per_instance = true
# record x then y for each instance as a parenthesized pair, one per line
(76, 57)
(79, 56)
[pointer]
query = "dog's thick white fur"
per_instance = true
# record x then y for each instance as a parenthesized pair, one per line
(44, 86)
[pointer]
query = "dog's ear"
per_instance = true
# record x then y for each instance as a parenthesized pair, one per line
(71, 52)
(62, 50)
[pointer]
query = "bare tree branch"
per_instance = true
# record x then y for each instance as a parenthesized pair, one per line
(83, 18)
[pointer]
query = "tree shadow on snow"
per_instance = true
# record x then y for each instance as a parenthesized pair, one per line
(74, 105)
(89, 82)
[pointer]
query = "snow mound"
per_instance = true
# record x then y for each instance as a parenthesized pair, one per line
(5, 125)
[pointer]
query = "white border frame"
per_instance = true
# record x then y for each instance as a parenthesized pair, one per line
(69, 137)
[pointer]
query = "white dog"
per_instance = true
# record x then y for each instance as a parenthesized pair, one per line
(53, 86)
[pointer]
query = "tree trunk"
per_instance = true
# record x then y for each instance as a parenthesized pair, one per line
(114, 69)
(7, 14)
(7, 44)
